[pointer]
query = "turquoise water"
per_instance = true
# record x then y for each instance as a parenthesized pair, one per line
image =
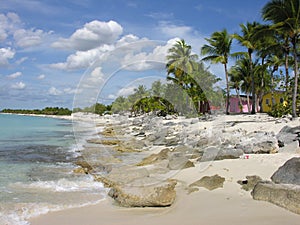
(37, 158)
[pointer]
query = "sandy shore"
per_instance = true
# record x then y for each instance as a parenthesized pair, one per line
(227, 205)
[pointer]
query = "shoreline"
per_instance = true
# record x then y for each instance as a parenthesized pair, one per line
(226, 206)
(232, 204)
(63, 117)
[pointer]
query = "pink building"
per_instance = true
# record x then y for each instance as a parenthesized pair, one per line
(234, 106)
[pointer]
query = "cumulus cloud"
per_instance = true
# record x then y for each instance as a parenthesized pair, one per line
(126, 91)
(14, 75)
(5, 55)
(155, 59)
(82, 59)
(41, 77)
(28, 38)
(12, 29)
(92, 35)
(19, 85)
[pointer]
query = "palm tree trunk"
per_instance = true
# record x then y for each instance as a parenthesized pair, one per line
(239, 98)
(294, 101)
(227, 88)
(252, 83)
(248, 102)
(287, 76)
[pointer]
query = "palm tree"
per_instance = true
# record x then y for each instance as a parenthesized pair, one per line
(250, 41)
(218, 51)
(285, 15)
(180, 61)
(241, 73)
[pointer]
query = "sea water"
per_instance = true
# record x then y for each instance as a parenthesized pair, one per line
(37, 156)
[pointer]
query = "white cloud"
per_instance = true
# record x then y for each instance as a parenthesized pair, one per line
(156, 59)
(8, 23)
(5, 55)
(126, 91)
(82, 59)
(28, 38)
(14, 75)
(11, 25)
(20, 61)
(92, 35)
(54, 91)
(19, 85)
(70, 91)
(173, 30)
(41, 77)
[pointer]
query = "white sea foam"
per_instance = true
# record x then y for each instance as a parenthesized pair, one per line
(62, 185)
(23, 212)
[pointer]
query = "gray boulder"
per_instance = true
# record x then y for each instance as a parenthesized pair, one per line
(160, 194)
(289, 173)
(288, 135)
(219, 153)
(283, 195)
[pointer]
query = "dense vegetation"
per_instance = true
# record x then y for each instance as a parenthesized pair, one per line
(272, 52)
(46, 111)
(97, 108)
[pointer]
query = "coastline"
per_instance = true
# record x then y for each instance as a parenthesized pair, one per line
(227, 205)
(64, 117)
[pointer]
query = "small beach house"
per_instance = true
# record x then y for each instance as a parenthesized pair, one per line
(272, 99)
(239, 105)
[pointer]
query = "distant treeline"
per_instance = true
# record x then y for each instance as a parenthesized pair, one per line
(97, 108)
(46, 111)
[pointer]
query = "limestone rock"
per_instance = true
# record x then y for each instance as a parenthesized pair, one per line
(289, 173)
(209, 183)
(179, 163)
(161, 194)
(126, 174)
(283, 195)
(153, 158)
(288, 134)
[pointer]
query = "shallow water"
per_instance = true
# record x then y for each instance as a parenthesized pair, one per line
(37, 157)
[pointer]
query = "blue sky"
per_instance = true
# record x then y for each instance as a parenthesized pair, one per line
(48, 48)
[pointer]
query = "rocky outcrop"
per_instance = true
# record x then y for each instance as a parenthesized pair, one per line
(284, 191)
(209, 182)
(153, 158)
(160, 194)
(289, 173)
(283, 195)
(287, 135)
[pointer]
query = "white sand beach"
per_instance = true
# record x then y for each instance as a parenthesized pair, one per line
(227, 205)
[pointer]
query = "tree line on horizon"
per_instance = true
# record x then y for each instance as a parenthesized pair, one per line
(59, 111)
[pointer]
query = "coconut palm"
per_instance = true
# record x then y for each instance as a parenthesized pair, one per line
(249, 40)
(218, 51)
(180, 62)
(285, 16)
